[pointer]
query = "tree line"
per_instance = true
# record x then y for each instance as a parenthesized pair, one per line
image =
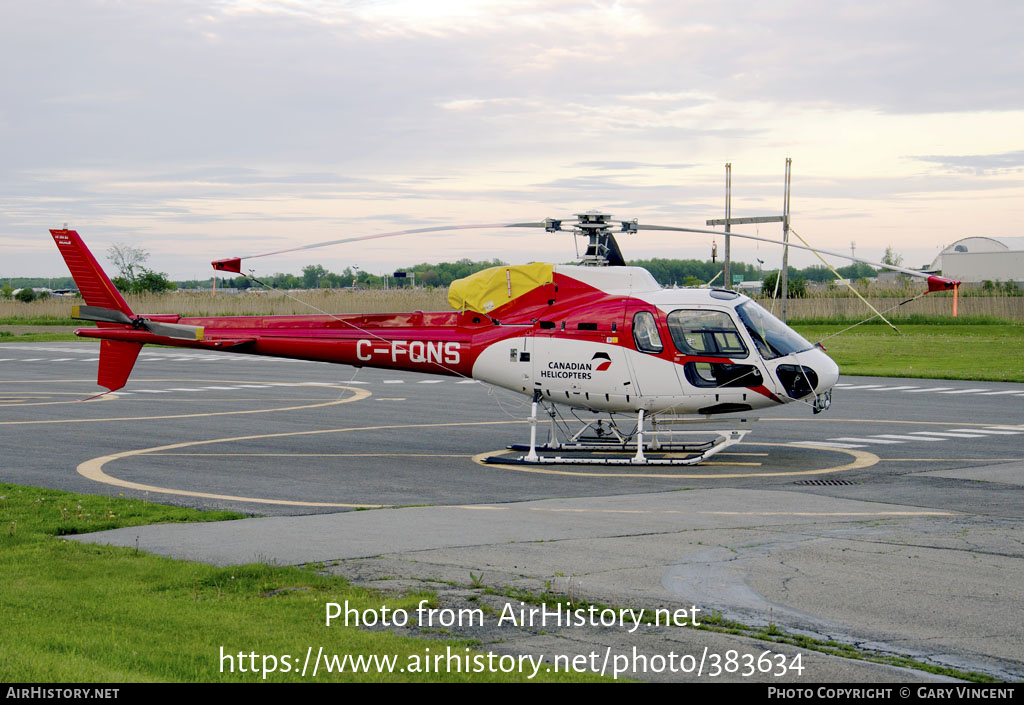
(667, 272)
(691, 272)
(316, 276)
(134, 277)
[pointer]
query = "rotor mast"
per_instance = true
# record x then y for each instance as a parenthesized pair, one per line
(596, 227)
(602, 249)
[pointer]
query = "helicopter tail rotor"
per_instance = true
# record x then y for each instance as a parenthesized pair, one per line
(108, 315)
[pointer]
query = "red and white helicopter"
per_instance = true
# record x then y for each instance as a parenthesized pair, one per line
(597, 336)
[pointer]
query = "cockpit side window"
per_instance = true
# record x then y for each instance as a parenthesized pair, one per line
(645, 333)
(702, 332)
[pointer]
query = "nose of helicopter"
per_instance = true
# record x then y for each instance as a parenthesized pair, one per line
(827, 369)
(808, 366)
(809, 372)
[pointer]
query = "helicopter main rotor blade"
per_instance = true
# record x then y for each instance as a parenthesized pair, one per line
(234, 264)
(935, 283)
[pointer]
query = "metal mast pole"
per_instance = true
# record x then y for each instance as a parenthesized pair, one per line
(728, 224)
(729, 221)
(784, 283)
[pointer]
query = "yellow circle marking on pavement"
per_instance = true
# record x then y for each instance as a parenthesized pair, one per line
(318, 455)
(93, 469)
(29, 399)
(861, 459)
(358, 393)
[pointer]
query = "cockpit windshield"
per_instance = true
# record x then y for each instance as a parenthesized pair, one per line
(772, 337)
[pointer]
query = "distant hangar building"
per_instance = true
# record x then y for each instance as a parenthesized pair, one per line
(977, 259)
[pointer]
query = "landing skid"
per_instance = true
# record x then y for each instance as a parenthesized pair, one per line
(596, 438)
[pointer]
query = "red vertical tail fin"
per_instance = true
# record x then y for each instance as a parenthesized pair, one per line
(92, 281)
(117, 358)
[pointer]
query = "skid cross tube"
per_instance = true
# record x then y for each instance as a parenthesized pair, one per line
(579, 450)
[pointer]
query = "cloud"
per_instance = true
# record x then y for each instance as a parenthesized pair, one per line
(928, 186)
(189, 116)
(979, 164)
(627, 166)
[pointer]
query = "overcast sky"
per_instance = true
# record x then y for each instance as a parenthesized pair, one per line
(202, 130)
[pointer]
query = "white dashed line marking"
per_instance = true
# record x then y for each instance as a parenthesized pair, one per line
(829, 444)
(907, 438)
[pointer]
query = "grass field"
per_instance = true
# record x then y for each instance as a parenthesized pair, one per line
(72, 612)
(970, 351)
(939, 305)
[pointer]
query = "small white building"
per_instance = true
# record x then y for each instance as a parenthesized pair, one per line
(977, 259)
(748, 286)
